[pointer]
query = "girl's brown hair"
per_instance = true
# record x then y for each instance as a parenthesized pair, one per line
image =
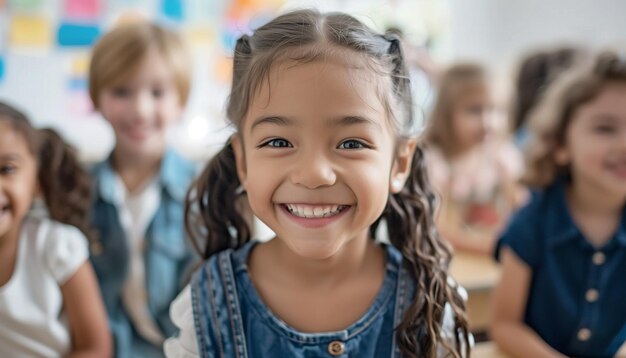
(118, 54)
(536, 72)
(456, 82)
(215, 221)
(65, 185)
(548, 123)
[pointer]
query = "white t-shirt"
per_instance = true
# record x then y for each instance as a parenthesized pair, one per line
(136, 211)
(32, 320)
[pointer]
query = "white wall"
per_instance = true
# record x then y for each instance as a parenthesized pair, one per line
(500, 31)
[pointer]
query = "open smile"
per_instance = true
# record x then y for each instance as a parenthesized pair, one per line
(314, 216)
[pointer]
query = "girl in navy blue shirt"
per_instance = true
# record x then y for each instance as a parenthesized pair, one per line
(564, 255)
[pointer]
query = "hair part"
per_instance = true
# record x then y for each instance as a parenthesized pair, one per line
(456, 82)
(216, 221)
(550, 120)
(120, 52)
(64, 183)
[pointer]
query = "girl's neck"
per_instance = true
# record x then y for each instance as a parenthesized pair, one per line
(135, 170)
(586, 197)
(356, 257)
(596, 212)
(8, 255)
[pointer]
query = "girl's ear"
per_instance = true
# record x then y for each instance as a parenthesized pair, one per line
(402, 165)
(240, 158)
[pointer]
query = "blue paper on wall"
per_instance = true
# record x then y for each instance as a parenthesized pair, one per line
(1, 69)
(71, 34)
(172, 9)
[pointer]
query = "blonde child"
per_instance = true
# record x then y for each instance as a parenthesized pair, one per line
(323, 154)
(472, 165)
(564, 254)
(49, 300)
(139, 80)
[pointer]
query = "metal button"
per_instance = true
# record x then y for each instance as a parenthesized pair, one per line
(598, 258)
(336, 348)
(592, 295)
(584, 334)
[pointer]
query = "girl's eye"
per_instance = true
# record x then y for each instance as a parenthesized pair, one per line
(121, 92)
(7, 169)
(277, 143)
(604, 129)
(157, 93)
(352, 144)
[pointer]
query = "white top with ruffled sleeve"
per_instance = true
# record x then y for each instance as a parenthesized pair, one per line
(33, 323)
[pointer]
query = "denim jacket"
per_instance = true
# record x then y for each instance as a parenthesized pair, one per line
(167, 254)
(231, 320)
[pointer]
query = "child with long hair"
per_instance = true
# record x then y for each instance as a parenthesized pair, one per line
(564, 254)
(139, 80)
(472, 164)
(324, 153)
(49, 299)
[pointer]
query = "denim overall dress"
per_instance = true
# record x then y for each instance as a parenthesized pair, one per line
(232, 321)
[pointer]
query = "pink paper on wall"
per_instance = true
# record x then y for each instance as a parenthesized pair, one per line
(82, 9)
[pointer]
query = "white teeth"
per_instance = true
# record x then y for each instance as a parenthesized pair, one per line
(309, 211)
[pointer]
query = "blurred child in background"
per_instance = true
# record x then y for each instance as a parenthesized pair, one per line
(50, 305)
(139, 80)
(564, 255)
(471, 162)
(536, 72)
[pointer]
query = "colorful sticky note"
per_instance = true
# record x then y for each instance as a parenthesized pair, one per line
(172, 9)
(25, 4)
(1, 69)
(30, 31)
(82, 9)
(79, 65)
(77, 34)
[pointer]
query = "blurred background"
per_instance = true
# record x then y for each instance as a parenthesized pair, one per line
(44, 49)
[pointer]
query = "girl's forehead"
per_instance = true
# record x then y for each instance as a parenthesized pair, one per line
(327, 87)
(12, 139)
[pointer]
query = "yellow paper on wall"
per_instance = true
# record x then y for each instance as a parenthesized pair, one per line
(30, 31)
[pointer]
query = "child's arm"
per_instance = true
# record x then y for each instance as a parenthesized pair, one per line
(509, 300)
(622, 351)
(86, 314)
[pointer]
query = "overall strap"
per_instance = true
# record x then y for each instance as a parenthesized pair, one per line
(217, 315)
(404, 292)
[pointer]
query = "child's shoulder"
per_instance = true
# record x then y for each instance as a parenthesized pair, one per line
(60, 247)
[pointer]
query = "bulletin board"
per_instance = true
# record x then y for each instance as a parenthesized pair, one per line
(45, 46)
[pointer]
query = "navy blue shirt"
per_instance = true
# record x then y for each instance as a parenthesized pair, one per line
(577, 295)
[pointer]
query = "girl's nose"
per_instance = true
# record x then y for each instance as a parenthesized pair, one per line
(313, 171)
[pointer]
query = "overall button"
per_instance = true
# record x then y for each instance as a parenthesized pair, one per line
(592, 295)
(598, 258)
(336, 348)
(584, 334)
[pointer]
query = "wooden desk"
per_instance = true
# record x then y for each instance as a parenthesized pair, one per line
(487, 350)
(478, 274)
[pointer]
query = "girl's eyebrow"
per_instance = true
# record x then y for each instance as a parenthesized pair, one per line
(354, 120)
(281, 121)
(9, 157)
(336, 122)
